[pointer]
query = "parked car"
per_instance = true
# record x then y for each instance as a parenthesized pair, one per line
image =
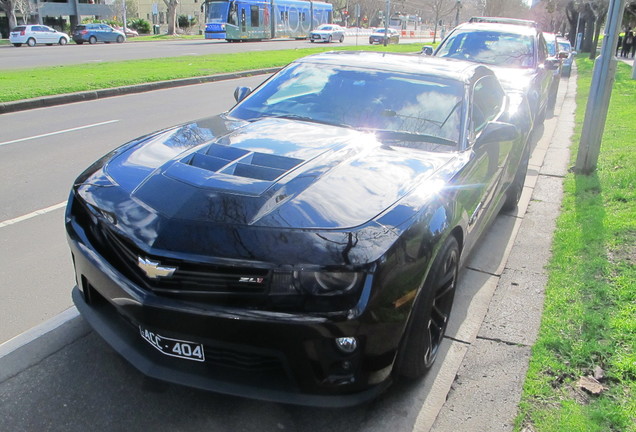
(566, 54)
(304, 246)
(553, 55)
(327, 33)
(128, 31)
(93, 33)
(378, 36)
(515, 49)
(37, 34)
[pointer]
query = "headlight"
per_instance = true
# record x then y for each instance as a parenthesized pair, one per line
(319, 283)
(328, 283)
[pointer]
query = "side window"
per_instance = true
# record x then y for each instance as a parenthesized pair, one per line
(488, 99)
(543, 50)
(254, 16)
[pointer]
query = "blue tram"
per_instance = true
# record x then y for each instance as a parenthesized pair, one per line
(240, 20)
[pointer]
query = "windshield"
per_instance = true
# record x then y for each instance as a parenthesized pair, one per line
(397, 106)
(217, 11)
(565, 46)
(490, 47)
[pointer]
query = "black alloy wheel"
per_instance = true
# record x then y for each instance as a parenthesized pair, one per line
(425, 332)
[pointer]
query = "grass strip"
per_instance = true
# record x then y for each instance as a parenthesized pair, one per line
(46, 81)
(589, 319)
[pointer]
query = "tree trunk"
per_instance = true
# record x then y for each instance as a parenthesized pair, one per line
(171, 14)
(597, 32)
(9, 9)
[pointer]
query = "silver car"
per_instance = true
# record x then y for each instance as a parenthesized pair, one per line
(37, 34)
(327, 33)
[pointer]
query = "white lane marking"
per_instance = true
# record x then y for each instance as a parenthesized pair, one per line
(32, 214)
(58, 132)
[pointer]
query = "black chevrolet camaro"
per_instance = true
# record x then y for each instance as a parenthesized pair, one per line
(304, 246)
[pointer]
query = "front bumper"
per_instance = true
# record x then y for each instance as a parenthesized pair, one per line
(280, 357)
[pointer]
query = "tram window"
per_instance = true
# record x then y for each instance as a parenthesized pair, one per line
(254, 15)
(233, 16)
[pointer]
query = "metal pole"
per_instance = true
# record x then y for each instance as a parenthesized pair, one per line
(457, 5)
(600, 91)
(386, 22)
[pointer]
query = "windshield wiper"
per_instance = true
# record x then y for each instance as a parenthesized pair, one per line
(410, 136)
(298, 117)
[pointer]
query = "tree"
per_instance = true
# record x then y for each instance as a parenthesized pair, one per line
(440, 9)
(24, 7)
(172, 15)
(9, 9)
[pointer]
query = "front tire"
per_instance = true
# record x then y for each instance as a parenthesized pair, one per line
(62, 41)
(329, 39)
(429, 318)
(120, 39)
(17, 44)
(513, 194)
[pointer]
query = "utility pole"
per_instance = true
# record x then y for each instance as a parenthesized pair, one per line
(600, 91)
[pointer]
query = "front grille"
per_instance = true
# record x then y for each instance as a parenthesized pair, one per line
(190, 278)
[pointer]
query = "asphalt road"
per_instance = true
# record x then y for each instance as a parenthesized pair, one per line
(41, 152)
(42, 55)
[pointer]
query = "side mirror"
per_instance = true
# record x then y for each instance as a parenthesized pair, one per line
(497, 132)
(241, 93)
(427, 50)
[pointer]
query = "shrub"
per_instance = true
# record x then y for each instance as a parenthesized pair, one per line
(139, 24)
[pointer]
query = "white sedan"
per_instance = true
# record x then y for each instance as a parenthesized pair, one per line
(327, 33)
(37, 34)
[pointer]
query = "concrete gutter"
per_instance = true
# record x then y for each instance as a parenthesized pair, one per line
(48, 101)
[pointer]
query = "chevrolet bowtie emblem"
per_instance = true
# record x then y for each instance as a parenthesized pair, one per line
(153, 269)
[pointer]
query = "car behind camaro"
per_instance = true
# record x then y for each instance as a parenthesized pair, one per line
(304, 246)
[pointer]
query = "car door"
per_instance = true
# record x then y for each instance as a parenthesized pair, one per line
(106, 33)
(484, 171)
(49, 35)
(544, 75)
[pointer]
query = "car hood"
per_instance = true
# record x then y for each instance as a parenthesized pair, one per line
(267, 173)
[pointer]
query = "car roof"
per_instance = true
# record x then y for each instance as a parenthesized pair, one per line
(502, 20)
(499, 27)
(438, 67)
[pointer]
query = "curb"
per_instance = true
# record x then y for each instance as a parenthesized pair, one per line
(48, 101)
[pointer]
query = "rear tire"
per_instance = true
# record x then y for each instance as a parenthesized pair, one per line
(329, 39)
(341, 39)
(92, 40)
(429, 318)
(31, 42)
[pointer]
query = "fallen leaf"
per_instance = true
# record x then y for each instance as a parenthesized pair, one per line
(590, 385)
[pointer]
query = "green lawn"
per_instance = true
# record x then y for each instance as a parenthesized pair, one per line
(45, 81)
(589, 319)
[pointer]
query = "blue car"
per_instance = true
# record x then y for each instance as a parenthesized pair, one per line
(93, 33)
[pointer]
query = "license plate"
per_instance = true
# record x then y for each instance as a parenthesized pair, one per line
(174, 347)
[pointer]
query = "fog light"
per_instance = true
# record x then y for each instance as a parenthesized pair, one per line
(347, 344)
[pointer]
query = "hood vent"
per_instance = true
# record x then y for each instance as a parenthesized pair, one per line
(242, 163)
